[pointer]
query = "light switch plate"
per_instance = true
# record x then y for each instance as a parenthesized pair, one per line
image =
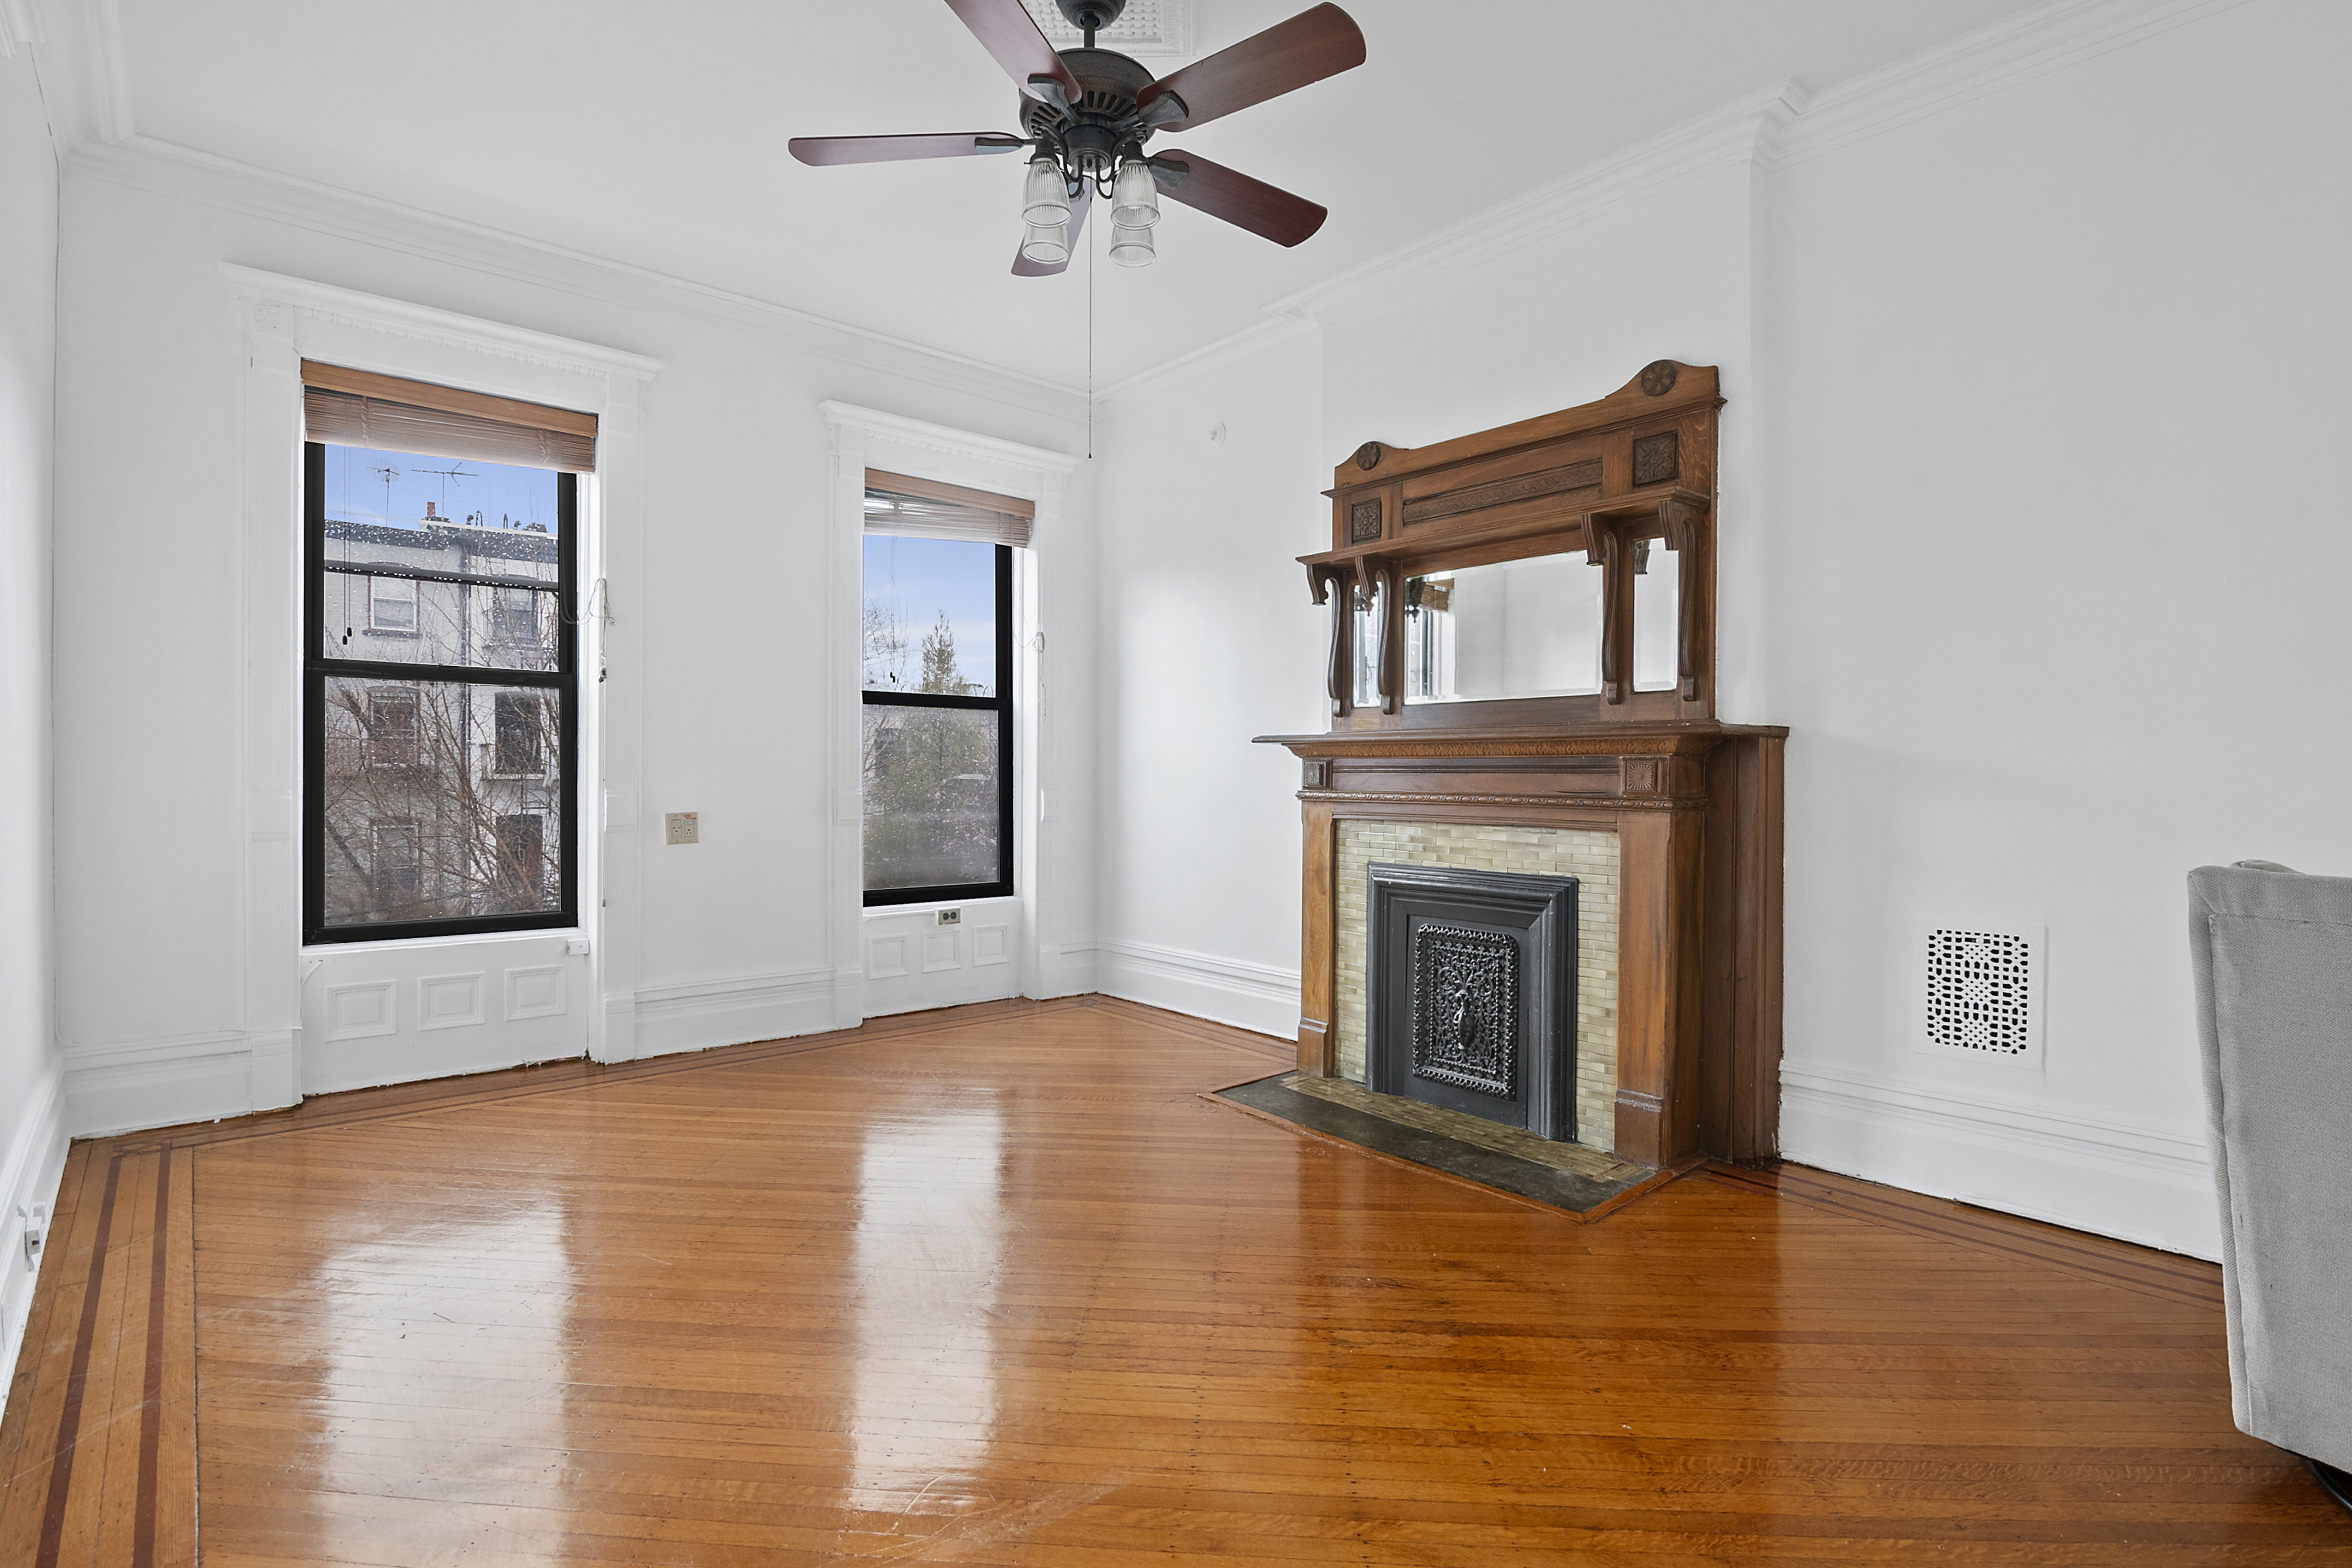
(685, 827)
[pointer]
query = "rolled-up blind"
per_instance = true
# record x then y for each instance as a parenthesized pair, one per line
(902, 504)
(359, 409)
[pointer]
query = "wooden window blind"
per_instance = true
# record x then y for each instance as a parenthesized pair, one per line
(359, 409)
(902, 504)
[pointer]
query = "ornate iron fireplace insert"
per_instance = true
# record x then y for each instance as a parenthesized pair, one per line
(1470, 992)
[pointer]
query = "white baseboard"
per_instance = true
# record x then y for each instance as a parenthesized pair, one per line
(161, 1083)
(1253, 996)
(703, 1015)
(1064, 971)
(30, 1164)
(2133, 1184)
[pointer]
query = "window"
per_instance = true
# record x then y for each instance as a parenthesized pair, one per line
(517, 737)
(522, 861)
(438, 765)
(514, 613)
(392, 728)
(937, 664)
(392, 604)
(396, 865)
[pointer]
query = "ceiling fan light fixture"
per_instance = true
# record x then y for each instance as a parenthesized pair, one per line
(1132, 246)
(1135, 198)
(1048, 244)
(1046, 202)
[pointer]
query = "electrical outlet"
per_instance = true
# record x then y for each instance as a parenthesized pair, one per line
(685, 827)
(950, 917)
(36, 1231)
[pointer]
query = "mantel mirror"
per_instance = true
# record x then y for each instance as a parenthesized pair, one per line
(1559, 570)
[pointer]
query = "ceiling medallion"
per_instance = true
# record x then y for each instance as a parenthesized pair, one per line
(1086, 112)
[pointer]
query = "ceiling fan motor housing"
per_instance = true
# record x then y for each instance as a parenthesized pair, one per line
(1090, 15)
(1110, 82)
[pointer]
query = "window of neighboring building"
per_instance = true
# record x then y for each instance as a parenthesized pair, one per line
(392, 728)
(518, 726)
(392, 604)
(514, 613)
(438, 793)
(522, 860)
(396, 865)
(936, 666)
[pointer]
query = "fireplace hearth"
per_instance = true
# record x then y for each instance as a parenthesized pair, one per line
(1470, 985)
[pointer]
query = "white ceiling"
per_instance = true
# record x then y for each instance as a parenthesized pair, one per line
(655, 135)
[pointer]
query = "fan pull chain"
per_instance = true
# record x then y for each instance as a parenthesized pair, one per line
(1092, 236)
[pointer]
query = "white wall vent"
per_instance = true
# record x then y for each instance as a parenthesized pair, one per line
(1146, 29)
(1979, 993)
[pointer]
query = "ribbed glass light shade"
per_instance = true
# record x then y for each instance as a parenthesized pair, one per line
(1048, 244)
(1134, 199)
(1132, 247)
(1046, 200)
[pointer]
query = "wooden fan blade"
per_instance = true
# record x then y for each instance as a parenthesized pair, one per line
(1006, 30)
(824, 150)
(1285, 56)
(1024, 268)
(1252, 205)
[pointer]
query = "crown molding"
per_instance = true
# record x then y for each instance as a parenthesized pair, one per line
(161, 168)
(1976, 65)
(1724, 138)
(19, 25)
(1781, 125)
(324, 301)
(945, 438)
(1210, 359)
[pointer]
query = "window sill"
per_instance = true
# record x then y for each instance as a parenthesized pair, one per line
(389, 632)
(426, 943)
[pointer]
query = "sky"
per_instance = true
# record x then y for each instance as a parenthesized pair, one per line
(921, 577)
(356, 492)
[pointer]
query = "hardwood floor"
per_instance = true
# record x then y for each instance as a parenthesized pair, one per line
(999, 1287)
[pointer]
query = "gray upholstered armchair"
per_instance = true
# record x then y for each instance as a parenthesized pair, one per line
(2273, 952)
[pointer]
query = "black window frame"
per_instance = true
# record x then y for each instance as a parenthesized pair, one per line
(562, 682)
(1002, 706)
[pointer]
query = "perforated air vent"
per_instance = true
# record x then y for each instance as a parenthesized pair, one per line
(1981, 991)
(1147, 27)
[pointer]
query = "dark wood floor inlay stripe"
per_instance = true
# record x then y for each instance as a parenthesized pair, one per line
(61, 1459)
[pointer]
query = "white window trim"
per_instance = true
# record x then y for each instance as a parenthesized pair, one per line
(864, 438)
(287, 320)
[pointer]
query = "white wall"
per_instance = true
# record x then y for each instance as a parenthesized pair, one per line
(2057, 584)
(720, 707)
(32, 1134)
(2031, 350)
(1207, 639)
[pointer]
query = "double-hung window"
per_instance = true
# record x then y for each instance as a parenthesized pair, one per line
(440, 681)
(936, 673)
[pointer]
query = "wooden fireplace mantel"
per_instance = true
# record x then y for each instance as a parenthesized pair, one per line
(1695, 803)
(1697, 811)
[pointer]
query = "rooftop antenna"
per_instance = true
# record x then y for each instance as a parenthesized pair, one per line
(457, 473)
(389, 474)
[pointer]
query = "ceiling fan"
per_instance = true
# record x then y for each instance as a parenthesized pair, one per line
(1085, 114)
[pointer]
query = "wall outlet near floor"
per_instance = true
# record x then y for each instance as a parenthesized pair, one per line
(36, 1231)
(950, 917)
(684, 826)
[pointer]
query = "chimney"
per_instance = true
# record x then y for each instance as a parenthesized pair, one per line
(428, 514)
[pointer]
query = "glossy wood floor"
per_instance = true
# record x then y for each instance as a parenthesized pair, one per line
(999, 1287)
